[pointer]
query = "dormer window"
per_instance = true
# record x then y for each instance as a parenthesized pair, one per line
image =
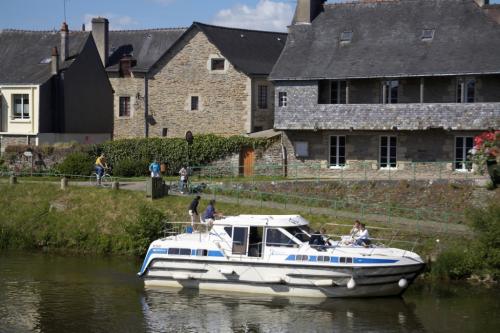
(427, 34)
(218, 64)
(126, 64)
(346, 36)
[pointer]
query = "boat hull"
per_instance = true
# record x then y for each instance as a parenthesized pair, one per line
(283, 280)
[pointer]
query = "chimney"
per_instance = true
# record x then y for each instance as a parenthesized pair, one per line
(83, 26)
(54, 62)
(100, 32)
(64, 42)
(482, 3)
(307, 10)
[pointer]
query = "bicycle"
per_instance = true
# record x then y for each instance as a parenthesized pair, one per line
(105, 179)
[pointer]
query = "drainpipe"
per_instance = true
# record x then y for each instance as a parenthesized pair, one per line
(146, 106)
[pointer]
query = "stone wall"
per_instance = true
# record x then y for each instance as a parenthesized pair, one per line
(304, 113)
(224, 96)
(133, 87)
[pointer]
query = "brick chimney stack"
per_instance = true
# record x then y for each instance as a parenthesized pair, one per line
(54, 61)
(100, 32)
(307, 10)
(64, 42)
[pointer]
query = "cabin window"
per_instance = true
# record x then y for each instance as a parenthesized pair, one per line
(229, 231)
(301, 257)
(201, 253)
(182, 252)
(324, 258)
(240, 238)
(276, 238)
(345, 260)
(298, 233)
(21, 106)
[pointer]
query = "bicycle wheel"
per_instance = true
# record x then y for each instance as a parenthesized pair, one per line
(106, 179)
(93, 179)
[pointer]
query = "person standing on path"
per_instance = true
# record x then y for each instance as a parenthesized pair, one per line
(193, 209)
(183, 179)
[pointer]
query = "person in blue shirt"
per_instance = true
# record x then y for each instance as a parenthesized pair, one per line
(154, 168)
(209, 214)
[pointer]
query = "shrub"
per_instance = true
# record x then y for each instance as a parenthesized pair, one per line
(150, 225)
(130, 168)
(77, 164)
(453, 264)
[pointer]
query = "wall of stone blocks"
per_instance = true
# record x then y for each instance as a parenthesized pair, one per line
(133, 87)
(224, 96)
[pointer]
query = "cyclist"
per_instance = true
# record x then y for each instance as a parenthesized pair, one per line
(100, 166)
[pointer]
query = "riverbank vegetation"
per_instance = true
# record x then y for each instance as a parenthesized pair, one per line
(40, 216)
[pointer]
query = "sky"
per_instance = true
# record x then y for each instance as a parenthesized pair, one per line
(142, 14)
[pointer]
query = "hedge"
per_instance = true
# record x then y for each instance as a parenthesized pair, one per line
(174, 151)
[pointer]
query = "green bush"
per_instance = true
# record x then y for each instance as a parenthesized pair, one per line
(150, 225)
(174, 151)
(130, 168)
(453, 264)
(77, 164)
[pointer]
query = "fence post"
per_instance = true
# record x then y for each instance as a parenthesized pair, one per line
(238, 195)
(64, 183)
(261, 199)
(364, 170)
(414, 172)
(440, 170)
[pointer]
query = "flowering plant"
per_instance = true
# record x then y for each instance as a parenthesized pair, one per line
(486, 148)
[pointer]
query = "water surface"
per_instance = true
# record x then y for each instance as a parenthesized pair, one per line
(53, 293)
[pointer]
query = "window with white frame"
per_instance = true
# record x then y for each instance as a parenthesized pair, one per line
(337, 151)
(466, 90)
(301, 149)
(21, 106)
(282, 99)
(463, 145)
(124, 110)
(388, 152)
(262, 96)
(390, 91)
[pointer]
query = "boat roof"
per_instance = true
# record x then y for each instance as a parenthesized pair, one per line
(282, 221)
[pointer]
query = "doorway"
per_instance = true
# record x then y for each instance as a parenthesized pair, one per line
(247, 162)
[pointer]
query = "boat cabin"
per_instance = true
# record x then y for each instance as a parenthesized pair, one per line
(258, 235)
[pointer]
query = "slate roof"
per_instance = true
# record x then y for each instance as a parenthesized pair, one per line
(387, 41)
(146, 46)
(21, 53)
(251, 51)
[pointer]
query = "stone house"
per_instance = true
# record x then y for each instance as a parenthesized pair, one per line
(206, 79)
(53, 88)
(388, 83)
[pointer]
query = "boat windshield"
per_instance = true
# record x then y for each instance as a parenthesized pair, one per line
(298, 233)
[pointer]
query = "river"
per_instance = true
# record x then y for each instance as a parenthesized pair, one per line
(54, 293)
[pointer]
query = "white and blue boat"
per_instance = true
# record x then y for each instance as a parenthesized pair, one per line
(272, 254)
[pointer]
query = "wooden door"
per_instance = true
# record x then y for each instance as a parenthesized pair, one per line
(247, 161)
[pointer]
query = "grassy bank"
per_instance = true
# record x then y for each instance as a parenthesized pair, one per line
(38, 216)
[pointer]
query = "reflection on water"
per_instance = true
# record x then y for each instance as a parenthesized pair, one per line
(217, 312)
(42, 293)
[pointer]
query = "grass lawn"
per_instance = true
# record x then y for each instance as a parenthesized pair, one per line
(97, 220)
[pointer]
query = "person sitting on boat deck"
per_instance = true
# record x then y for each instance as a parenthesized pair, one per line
(319, 239)
(355, 229)
(209, 215)
(193, 209)
(363, 238)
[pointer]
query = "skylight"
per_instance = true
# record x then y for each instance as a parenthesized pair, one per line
(346, 36)
(427, 34)
(45, 61)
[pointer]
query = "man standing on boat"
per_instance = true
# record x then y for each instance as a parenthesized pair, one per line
(193, 209)
(209, 215)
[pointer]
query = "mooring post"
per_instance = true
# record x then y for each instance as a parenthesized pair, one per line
(13, 180)
(64, 183)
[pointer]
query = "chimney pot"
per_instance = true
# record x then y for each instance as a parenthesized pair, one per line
(307, 11)
(83, 26)
(100, 32)
(64, 42)
(54, 61)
